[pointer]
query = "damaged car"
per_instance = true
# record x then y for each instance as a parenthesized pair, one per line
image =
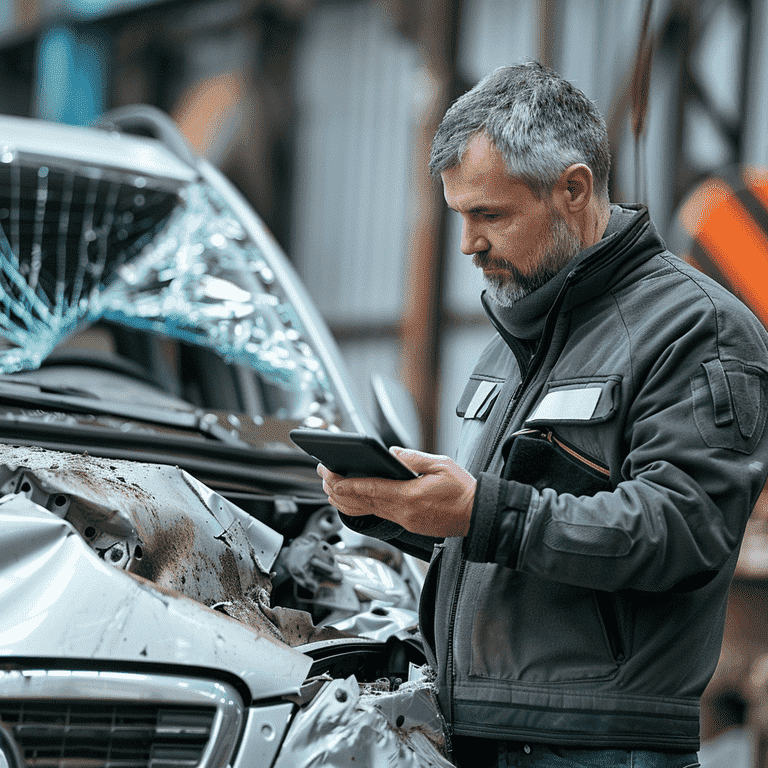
(175, 589)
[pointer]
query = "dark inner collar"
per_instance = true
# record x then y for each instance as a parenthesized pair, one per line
(525, 318)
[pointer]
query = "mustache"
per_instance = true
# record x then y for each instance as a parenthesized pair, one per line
(483, 261)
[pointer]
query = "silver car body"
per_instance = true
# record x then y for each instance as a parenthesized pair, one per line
(137, 620)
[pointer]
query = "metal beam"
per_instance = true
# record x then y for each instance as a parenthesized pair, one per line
(437, 36)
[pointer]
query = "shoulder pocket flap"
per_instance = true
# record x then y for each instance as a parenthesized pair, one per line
(575, 401)
(730, 404)
(746, 393)
(721, 396)
(477, 398)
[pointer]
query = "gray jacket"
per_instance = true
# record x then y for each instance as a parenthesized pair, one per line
(617, 466)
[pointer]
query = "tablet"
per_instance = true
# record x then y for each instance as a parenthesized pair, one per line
(351, 454)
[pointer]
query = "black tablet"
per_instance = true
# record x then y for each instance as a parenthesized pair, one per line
(351, 454)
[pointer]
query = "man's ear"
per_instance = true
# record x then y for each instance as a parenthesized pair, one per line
(574, 188)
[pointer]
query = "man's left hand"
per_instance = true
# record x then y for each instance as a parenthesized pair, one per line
(437, 503)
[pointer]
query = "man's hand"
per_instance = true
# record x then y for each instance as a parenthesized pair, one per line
(438, 503)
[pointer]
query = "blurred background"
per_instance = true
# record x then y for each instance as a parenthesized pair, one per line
(321, 112)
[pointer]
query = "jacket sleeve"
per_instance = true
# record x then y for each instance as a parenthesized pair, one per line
(410, 543)
(690, 454)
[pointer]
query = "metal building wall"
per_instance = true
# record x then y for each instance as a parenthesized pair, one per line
(356, 82)
(358, 92)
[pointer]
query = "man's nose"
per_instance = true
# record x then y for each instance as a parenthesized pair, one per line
(472, 241)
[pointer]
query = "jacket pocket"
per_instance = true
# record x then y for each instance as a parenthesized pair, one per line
(478, 397)
(541, 459)
(578, 401)
(606, 607)
(536, 631)
(730, 404)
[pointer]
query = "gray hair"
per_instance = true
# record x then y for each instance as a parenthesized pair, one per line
(539, 122)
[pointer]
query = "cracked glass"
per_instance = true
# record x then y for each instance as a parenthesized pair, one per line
(82, 244)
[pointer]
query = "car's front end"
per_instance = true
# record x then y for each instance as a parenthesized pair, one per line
(174, 588)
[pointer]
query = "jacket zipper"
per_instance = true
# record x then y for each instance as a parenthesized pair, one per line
(549, 435)
(527, 372)
(451, 624)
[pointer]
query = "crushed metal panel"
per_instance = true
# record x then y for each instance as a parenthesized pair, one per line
(341, 727)
(161, 524)
(58, 599)
(155, 521)
(381, 621)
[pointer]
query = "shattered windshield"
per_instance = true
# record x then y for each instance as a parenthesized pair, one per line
(203, 282)
(81, 245)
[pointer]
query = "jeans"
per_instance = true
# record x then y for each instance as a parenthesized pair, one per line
(542, 756)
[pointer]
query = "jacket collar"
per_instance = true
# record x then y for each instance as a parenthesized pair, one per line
(629, 239)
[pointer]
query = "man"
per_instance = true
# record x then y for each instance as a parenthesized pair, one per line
(613, 445)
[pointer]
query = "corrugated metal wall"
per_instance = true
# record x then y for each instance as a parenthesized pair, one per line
(355, 93)
(355, 101)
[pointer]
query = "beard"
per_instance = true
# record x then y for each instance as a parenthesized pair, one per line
(559, 248)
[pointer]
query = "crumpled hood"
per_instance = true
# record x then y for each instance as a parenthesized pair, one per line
(59, 598)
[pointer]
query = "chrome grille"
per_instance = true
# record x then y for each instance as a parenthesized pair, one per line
(103, 720)
(125, 735)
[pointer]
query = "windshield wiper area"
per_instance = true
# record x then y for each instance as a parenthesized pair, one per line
(71, 400)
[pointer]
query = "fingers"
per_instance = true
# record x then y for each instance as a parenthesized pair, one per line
(420, 462)
(326, 473)
(358, 496)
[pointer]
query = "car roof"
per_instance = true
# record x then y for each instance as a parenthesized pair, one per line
(91, 146)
